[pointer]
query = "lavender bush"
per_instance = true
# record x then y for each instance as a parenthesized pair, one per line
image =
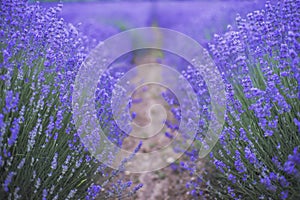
(41, 155)
(258, 155)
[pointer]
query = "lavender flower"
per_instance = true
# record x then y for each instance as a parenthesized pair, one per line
(39, 145)
(259, 61)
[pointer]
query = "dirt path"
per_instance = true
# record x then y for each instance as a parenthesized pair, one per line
(164, 183)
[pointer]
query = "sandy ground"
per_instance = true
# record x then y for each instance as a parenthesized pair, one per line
(165, 183)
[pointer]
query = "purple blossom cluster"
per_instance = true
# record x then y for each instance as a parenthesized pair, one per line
(106, 85)
(41, 155)
(291, 166)
(257, 156)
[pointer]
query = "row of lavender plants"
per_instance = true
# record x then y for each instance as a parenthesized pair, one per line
(41, 156)
(258, 154)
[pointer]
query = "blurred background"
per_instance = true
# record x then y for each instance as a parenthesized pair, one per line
(199, 19)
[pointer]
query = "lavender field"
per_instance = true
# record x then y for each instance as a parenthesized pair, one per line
(150, 99)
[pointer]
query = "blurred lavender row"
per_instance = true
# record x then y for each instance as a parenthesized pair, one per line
(198, 19)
